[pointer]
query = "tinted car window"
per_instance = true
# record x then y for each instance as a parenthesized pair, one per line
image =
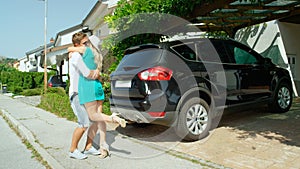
(140, 58)
(241, 55)
(187, 51)
(56, 79)
(212, 51)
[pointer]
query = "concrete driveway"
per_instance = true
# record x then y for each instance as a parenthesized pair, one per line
(246, 139)
(243, 140)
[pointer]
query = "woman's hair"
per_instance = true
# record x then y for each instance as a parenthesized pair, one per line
(98, 57)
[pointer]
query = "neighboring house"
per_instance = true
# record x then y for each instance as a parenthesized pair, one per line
(22, 66)
(95, 19)
(92, 24)
(95, 22)
(278, 41)
(32, 62)
(59, 55)
(16, 64)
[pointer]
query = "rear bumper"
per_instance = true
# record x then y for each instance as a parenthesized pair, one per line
(144, 117)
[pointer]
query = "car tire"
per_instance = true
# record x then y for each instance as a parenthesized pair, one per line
(194, 120)
(282, 99)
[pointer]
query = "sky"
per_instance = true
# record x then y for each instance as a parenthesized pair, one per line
(22, 22)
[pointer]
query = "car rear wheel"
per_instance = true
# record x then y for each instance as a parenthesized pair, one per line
(282, 100)
(194, 120)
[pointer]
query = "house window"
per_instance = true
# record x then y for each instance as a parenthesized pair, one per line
(98, 33)
(292, 63)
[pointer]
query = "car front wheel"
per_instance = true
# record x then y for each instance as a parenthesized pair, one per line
(194, 120)
(282, 99)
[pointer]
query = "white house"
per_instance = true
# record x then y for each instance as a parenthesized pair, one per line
(95, 22)
(92, 24)
(59, 55)
(95, 19)
(22, 65)
(32, 61)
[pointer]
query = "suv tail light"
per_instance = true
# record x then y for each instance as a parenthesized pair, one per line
(50, 84)
(156, 74)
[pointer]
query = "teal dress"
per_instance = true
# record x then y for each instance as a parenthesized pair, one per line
(89, 90)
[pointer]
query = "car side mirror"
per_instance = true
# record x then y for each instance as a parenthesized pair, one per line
(268, 61)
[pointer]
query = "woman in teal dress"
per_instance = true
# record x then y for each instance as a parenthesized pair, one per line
(90, 92)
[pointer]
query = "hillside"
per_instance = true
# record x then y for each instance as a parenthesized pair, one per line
(7, 61)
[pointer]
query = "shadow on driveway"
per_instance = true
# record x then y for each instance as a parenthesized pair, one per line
(246, 123)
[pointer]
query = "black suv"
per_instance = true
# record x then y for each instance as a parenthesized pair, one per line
(187, 83)
(57, 81)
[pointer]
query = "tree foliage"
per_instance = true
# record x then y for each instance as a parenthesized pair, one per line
(131, 16)
(17, 81)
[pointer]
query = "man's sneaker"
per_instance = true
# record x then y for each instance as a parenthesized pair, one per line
(92, 151)
(77, 155)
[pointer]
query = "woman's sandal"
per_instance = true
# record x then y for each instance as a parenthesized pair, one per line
(104, 149)
(119, 120)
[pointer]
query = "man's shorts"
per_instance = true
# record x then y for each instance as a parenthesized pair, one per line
(79, 111)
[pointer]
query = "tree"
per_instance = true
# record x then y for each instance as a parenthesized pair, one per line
(139, 21)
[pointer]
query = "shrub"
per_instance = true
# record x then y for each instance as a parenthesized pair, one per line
(32, 92)
(57, 101)
(58, 90)
(58, 104)
(16, 89)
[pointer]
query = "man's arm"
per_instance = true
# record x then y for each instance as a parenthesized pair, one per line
(79, 49)
(83, 69)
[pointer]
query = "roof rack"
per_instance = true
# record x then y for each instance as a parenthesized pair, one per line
(140, 47)
(191, 35)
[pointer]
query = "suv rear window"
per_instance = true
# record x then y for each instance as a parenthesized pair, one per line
(187, 51)
(56, 79)
(140, 58)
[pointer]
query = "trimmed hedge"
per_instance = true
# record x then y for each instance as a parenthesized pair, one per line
(57, 101)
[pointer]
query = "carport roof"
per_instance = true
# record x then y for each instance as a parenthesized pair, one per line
(231, 15)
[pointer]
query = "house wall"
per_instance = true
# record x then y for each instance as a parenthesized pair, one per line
(66, 39)
(62, 40)
(31, 64)
(95, 22)
(39, 68)
(270, 41)
(22, 66)
(290, 35)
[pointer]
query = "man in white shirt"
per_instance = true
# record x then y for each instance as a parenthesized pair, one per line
(76, 68)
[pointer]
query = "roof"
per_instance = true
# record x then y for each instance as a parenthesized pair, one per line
(39, 49)
(66, 31)
(231, 15)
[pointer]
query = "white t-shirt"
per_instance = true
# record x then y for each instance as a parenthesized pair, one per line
(77, 67)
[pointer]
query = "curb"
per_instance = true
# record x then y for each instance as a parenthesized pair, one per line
(26, 134)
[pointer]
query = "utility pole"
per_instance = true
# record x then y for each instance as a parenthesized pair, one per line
(45, 47)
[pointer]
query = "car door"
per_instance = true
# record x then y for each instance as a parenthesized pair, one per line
(253, 75)
(219, 70)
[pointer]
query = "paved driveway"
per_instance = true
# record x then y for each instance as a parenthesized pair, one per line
(245, 139)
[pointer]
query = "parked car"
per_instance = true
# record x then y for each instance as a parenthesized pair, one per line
(57, 81)
(186, 83)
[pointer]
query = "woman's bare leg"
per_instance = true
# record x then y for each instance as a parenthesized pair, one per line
(101, 125)
(90, 136)
(94, 110)
(94, 114)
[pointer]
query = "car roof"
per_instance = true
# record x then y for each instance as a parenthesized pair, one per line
(169, 43)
